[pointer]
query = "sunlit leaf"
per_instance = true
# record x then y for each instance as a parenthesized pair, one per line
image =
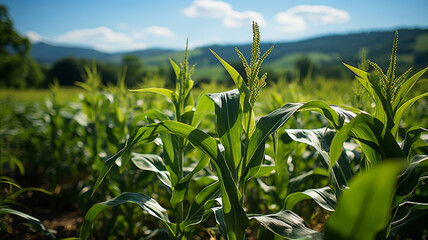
(287, 224)
(324, 197)
(152, 163)
(229, 126)
(365, 208)
(145, 202)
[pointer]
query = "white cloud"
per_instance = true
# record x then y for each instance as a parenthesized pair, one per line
(224, 11)
(101, 38)
(159, 31)
(34, 37)
(103, 34)
(296, 19)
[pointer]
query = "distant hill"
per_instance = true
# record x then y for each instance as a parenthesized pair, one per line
(323, 51)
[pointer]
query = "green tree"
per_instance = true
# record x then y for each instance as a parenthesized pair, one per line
(135, 70)
(304, 68)
(17, 68)
(67, 71)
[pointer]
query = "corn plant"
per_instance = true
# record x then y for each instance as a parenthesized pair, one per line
(361, 209)
(8, 205)
(236, 151)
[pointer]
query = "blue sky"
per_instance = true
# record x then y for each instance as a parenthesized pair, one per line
(122, 25)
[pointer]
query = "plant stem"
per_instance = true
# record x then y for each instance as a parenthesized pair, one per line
(244, 158)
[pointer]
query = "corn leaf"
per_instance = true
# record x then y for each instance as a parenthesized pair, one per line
(201, 206)
(363, 78)
(229, 126)
(321, 139)
(270, 123)
(374, 138)
(287, 224)
(163, 91)
(243, 91)
(145, 202)
(175, 67)
(409, 179)
(371, 84)
(406, 87)
(36, 223)
(402, 109)
(203, 107)
(365, 208)
(412, 135)
(414, 219)
(324, 197)
(152, 163)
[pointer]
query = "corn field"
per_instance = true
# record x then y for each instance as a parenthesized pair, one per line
(158, 163)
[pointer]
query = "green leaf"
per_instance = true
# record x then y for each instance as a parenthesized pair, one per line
(145, 202)
(409, 179)
(402, 109)
(163, 91)
(270, 123)
(243, 91)
(36, 223)
(321, 139)
(324, 197)
(152, 163)
(203, 107)
(375, 140)
(405, 88)
(175, 67)
(229, 127)
(287, 224)
(412, 135)
(201, 203)
(414, 219)
(363, 78)
(371, 84)
(365, 208)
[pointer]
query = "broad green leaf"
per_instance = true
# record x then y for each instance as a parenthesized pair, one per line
(412, 135)
(166, 92)
(371, 84)
(383, 106)
(414, 219)
(265, 170)
(270, 123)
(363, 78)
(243, 91)
(321, 139)
(152, 163)
(287, 224)
(147, 203)
(229, 127)
(405, 88)
(402, 109)
(180, 189)
(200, 204)
(265, 127)
(409, 179)
(203, 107)
(27, 189)
(295, 184)
(374, 138)
(324, 197)
(36, 223)
(365, 208)
(175, 67)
